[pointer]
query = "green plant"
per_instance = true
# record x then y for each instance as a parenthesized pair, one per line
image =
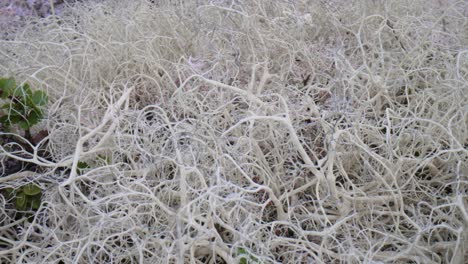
(82, 166)
(101, 160)
(246, 257)
(27, 197)
(24, 106)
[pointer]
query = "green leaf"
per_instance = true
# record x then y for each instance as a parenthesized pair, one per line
(19, 92)
(4, 120)
(36, 203)
(39, 98)
(27, 95)
(15, 118)
(81, 166)
(21, 201)
(27, 90)
(242, 251)
(24, 125)
(18, 108)
(31, 189)
(34, 118)
(246, 257)
(7, 86)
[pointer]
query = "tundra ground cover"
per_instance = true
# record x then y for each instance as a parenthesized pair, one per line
(243, 131)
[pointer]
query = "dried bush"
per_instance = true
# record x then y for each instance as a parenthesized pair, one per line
(231, 131)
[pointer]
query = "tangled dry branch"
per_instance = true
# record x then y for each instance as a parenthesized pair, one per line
(274, 131)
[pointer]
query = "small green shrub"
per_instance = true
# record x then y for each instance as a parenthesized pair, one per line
(23, 107)
(27, 197)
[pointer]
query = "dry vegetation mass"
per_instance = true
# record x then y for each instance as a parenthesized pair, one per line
(239, 131)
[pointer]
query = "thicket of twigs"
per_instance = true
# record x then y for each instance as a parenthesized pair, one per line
(261, 131)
